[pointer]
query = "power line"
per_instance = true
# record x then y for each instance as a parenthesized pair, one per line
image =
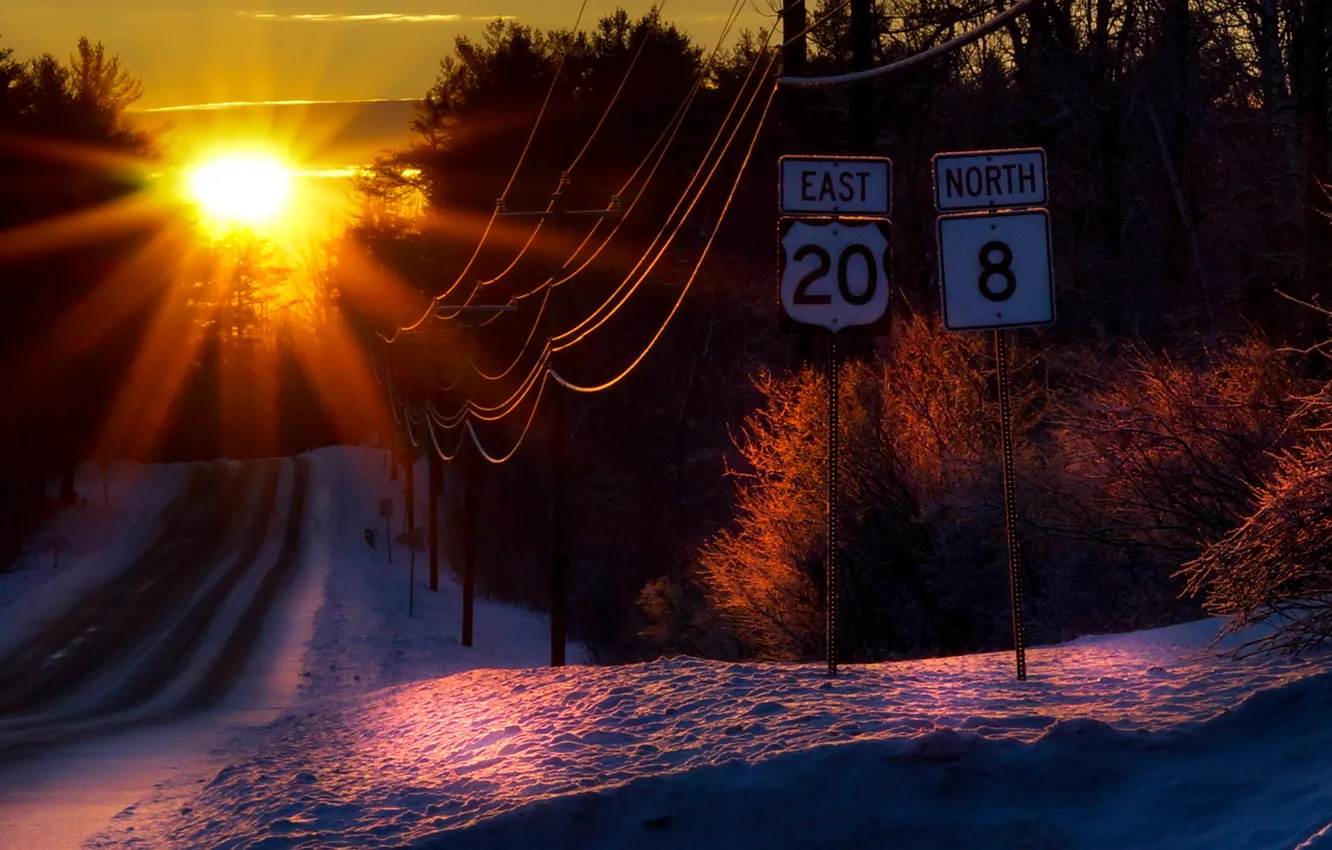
(949, 46)
(549, 283)
(647, 30)
(685, 289)
(493, 413)
(513, 175)
(668, 133)
(515, 399)
(582, 329)
(468, 431)
(672, 128)
(559, 69)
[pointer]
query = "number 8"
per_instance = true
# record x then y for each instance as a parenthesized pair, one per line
(1003, 269)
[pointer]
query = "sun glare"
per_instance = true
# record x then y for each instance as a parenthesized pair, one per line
(249, 189)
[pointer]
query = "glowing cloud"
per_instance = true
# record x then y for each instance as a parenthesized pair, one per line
(375, 17)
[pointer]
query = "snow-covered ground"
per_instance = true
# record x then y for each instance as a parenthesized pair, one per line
(397, 736)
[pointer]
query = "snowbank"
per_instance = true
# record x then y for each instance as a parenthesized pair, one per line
(1132, 741)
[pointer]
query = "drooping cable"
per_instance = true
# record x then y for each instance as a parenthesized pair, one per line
(626, 289)
(513, 175)
(668, 134)
(550, 373)
(642, 42)
(980, 31)
(684, 289)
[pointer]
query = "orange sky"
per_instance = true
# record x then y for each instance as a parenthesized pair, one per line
(204, 51)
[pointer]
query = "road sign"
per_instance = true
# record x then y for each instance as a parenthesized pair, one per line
(833, 272)
(386, 508)
(983, 180)
(845, 185)
(995, 270)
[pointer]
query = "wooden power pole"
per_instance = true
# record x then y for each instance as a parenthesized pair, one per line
(555, 216)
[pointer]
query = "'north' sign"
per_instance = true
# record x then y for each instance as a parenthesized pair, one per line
(860, 186)
(984, 180)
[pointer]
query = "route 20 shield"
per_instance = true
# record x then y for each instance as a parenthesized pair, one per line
(833, 273)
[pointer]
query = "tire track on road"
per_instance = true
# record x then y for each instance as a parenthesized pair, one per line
(169, 668)
(106, 624)
(228, 668)
(175, 650)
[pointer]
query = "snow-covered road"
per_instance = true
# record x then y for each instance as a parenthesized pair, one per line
(340, 629)
(173, 629)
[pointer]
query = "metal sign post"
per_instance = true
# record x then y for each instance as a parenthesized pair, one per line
(995, 270)
(386, 514)
(1010, 502)
(834, 502)
(414, 539)
(833, 272)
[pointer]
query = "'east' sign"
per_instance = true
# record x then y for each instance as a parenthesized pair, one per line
(985, 180)
(859, 186)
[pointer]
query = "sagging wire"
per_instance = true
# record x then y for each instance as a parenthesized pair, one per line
(513, 175)
(593, 321)
(668, 133)
(685, 289)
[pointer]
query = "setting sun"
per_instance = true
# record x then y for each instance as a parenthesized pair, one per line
(250, 189)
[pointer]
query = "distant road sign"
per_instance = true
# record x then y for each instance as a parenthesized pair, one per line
(386, 508)
(861, 186)
(833, 273)
(995, 270)
(982, 180)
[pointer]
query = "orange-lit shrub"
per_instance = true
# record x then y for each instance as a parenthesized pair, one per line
(1276, 567)
(1125, 471)
(1151, 458)
(760, 576)
(1162, 454)
(913, 475)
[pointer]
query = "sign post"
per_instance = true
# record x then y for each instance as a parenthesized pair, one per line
(103, 464)
(386, 514)
(995, 270)
(833, 271)
(415, 538)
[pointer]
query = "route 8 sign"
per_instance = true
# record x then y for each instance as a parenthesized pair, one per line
(994, 269)
(833, 273)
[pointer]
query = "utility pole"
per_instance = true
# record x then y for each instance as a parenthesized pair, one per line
(863, 130)
(471, 475)
(554, 217)
(393, 430)
(1316, 204)
(795, 64)
(858, 343)
(436, 486)
(470, 466)
(409, 490)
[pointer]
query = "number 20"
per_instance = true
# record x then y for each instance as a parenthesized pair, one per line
(802, 294)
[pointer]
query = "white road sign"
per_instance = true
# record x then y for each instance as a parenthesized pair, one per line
(833, 273)
(995, 270)
(836, 185)
(982, 180)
